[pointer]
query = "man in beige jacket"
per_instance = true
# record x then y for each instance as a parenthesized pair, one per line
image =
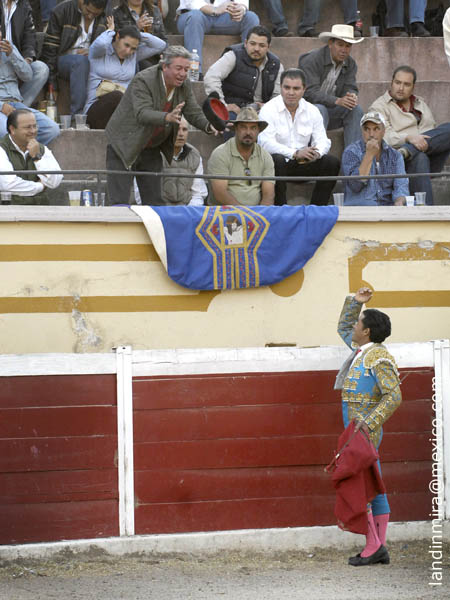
(411, 129)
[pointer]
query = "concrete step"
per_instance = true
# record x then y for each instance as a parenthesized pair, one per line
(330, 13)
(433, 91)
(376, 57)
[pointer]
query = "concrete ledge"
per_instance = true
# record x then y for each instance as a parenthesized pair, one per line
(247, 540)
(120, 214)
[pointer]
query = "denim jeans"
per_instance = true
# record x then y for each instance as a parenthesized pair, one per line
(395, 15)
(194, 25)
(30, 89)
(75, 68)
(431, 161)
(48, 130)
(311, 14)
(47, 7)
(276, 16)
(338, 116)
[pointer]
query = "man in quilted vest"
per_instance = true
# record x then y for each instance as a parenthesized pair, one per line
(370, 386)
(20, 151)
(178, 191)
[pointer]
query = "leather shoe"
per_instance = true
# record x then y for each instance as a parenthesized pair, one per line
(283, 33)
(395, 32)
(418, 30)
(380, 556)
(312, 33)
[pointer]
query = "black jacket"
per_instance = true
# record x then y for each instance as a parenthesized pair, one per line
(239, 87)
(317, 64)
(22, 29)
(62, 32)
(123, 17)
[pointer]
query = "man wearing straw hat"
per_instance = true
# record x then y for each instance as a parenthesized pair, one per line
(331, 81)
(242, 157)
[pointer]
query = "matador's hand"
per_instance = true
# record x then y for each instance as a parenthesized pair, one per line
(363, 295)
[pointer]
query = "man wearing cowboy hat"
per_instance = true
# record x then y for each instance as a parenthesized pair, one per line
(242, 157)
(372, 156)
(331, 81)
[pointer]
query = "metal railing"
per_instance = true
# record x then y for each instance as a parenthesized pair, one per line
(100, 176)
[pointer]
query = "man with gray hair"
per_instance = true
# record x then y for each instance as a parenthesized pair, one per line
(145, 124)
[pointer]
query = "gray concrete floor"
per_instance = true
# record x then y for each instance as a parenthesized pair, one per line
(232, 576)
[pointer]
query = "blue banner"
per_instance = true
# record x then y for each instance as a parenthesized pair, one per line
(229, 247)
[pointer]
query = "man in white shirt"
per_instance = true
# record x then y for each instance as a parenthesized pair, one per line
(186, 159)
(297, 140)
(195, 18)
(20, 151)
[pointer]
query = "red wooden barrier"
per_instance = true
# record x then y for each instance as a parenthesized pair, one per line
(58, 444)
(235, 451)
(212, 452)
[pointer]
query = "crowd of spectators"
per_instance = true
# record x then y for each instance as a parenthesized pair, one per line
(104, 48)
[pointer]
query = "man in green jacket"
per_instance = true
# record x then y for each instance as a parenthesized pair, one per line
(145, 124)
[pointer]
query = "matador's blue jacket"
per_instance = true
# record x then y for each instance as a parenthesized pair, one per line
(371, 385)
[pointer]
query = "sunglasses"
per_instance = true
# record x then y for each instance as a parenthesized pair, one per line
(247, 173)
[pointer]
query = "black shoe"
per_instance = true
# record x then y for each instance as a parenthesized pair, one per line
(309, 33)
(395, 32)
(380, 556)
(418, 30)
(283, 33)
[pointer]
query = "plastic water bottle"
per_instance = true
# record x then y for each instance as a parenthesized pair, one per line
(194, 70)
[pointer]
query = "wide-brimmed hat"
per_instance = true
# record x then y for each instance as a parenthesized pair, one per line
(374, 117)
(215, 111)
(249, 115)
(346, 33)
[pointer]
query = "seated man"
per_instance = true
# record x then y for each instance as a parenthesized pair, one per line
(296, 139)
(17, 27)
(395, 18)
(186, 159)
(241, 156)
(331, 81)
(311, 15)
(20, 151)
(372, 156)
(73, 26)
(246, 73)
(411, 128)
(13, 67)
(197, 17)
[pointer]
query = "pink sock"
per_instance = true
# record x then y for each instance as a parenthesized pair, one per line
(381, 523)
(372, 541)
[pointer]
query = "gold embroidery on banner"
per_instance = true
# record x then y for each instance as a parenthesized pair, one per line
(224, 245)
